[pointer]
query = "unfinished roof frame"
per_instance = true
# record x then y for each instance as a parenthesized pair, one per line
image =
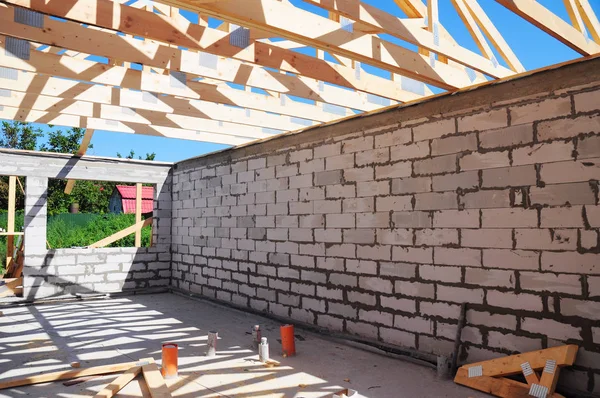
(166, 76)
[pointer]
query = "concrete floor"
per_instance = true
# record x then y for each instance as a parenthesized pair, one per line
(44, 338)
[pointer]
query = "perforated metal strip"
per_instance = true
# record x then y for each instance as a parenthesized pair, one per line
(207, 60)
(149, 97)
(8, 73)
(538, 391)
(346, 24)
(550, 366)
(412, 85)
(17, 48)
(178, 79)
(239, 36)
(475, 371)
(526, 367)
(29, 17)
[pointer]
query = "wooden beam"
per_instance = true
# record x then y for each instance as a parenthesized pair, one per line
(473, 28)
(497, 386)
(10, 221)
(93, 72)
(121, 234)
(65, 375)
(416, 9)
(327, 35)
(178, 30)
(155, 381)
(494, 36)
(549, 377)
(53, 93)
(590, 18)
(411, 31)
(574, 15)
(511, 365)
(138, 213)
(117, 385)
(61, 119)
(128, 115)
(85, 143)
(536, 14)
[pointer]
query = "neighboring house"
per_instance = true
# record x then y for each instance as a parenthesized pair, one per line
(122, 199)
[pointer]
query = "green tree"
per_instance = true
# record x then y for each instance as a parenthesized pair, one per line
(64, 142)
(92, 196)
(16, 135)
(149, 156)
(19, 135)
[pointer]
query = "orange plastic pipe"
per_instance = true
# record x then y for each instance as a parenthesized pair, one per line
(288, 343)
(169, 360)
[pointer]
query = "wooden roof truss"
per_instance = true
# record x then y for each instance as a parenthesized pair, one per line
(143, 67)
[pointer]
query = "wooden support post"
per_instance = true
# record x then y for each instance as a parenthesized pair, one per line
(138, 214)
(10, 223)
(85, 143)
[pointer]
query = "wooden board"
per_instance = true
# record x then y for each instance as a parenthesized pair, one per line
(65, 375)
(117, 385)
(121, 234)
(11, 287)
(85, 143)
(155, 381)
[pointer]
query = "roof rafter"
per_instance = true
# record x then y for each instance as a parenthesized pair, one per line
(70, 35)
(118, 76)
(546, 20)
(54, 118)
(408, 31)
(328, 35)
(178, 30)
(124, 105)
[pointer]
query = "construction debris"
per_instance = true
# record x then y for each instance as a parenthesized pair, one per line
(489, 376)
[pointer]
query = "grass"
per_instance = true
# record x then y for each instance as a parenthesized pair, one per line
(79, 230)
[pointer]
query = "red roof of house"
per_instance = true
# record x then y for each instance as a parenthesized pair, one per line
(127, 193)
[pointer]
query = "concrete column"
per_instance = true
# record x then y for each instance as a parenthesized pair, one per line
(36, 194)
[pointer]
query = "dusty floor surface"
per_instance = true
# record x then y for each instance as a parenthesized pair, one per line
(44, 338)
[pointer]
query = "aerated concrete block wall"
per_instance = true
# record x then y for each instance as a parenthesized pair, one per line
(60, 272)
(381, 226)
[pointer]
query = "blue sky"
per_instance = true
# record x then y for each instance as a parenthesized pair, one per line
(533, 47)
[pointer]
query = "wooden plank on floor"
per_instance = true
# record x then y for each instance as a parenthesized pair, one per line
(11, 287)
(66, 375)
(155, 381)
(117, 384)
